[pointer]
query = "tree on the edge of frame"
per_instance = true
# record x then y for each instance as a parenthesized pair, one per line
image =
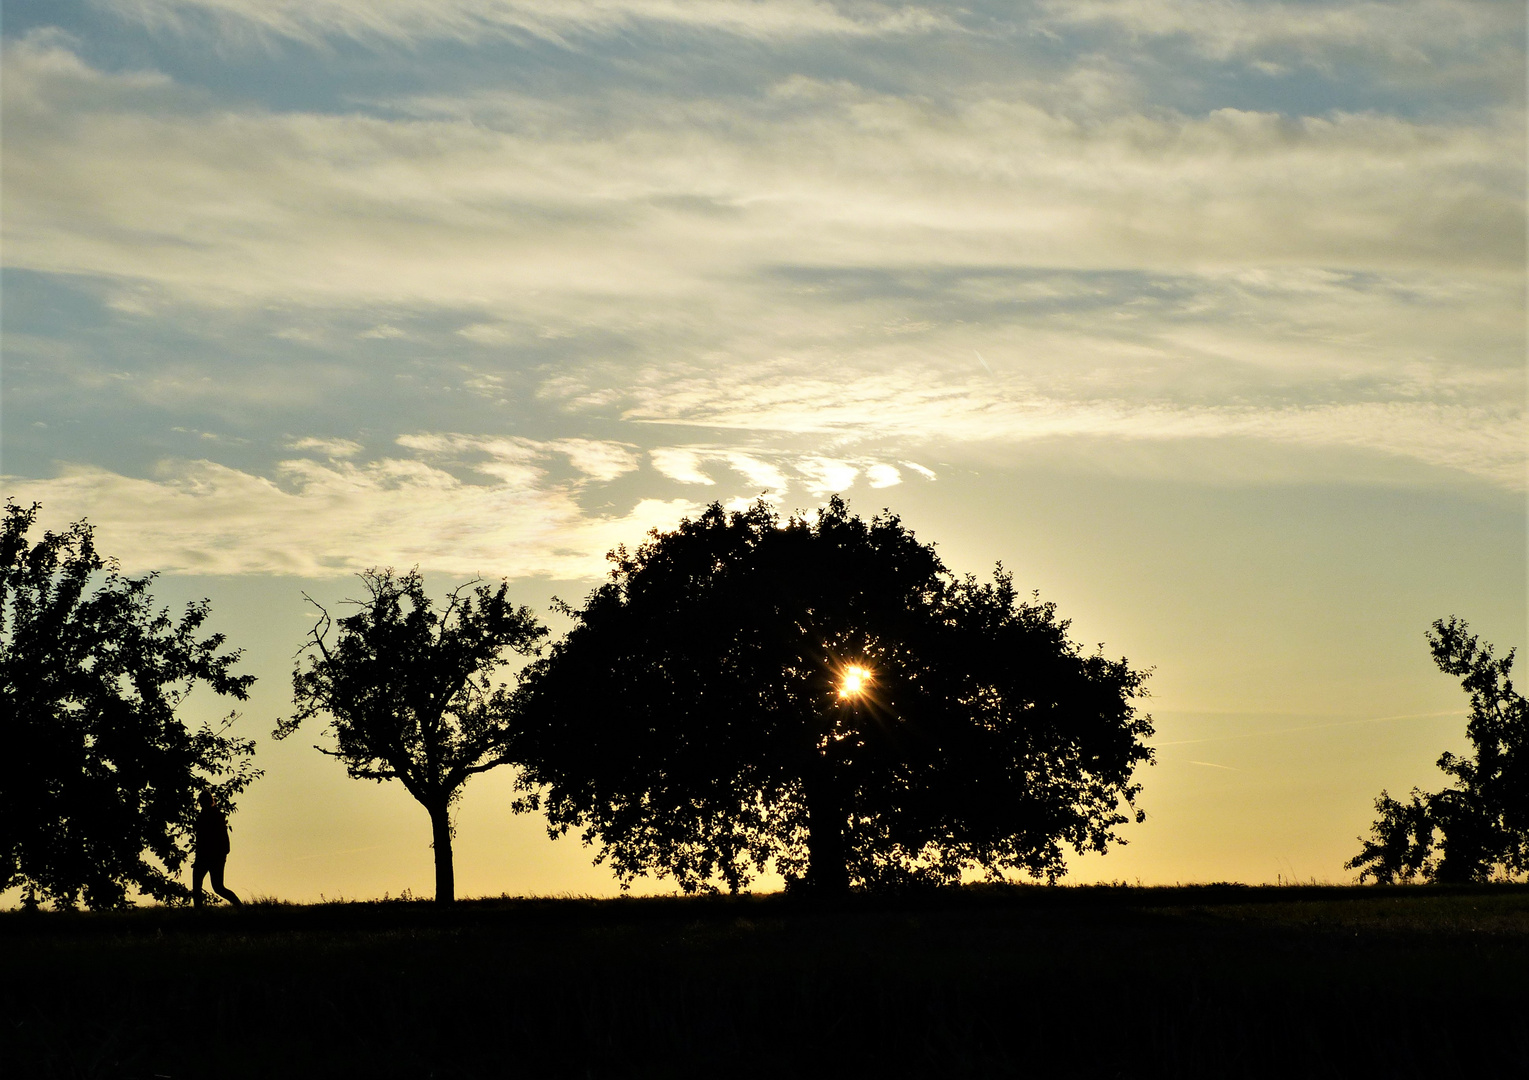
(821, 697)
(411, 692)
(99, 777)
(1479, 827)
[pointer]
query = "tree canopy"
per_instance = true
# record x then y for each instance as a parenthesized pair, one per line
(1479, 826)
(99, 777)
(821, 696)
(411, 692)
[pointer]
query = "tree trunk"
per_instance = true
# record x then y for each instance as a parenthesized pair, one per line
(445, 875)
(827, 858)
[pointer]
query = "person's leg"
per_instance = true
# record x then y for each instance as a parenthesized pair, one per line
(218, 886)
(198, 872)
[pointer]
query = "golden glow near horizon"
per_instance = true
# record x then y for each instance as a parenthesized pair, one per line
(854, 681)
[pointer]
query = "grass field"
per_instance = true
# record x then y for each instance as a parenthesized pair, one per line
(1028, 981)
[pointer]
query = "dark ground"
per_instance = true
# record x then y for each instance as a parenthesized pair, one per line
(1167, 982)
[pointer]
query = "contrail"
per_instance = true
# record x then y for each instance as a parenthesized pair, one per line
(1312, 727)
(983, 362)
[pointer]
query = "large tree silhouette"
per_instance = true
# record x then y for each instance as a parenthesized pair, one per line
(411, 692)
(99, 777)
(1480, 825)
(821, 695)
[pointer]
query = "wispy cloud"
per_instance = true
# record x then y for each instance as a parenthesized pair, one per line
(315, 21)
(327, 519)
(820, 277)
(828, 475)
(925, 406)
(1409, 31)
(244, 208)
(680, 465)
(334, 448)
(453, 502)
(506, 456)
(687, 465)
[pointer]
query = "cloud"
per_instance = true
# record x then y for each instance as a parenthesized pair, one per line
(1410, 31)
(923, 406)
(334, 448)
(463, 504)
(321, 520)
(1428, 39)
(681, 466)
(315, 21)
(759, 474)
(881, 271)
(512, 456)
(547, 222)
(825, 476)
(595, 459)
(686, 465)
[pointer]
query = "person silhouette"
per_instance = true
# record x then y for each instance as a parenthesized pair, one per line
(211, 851)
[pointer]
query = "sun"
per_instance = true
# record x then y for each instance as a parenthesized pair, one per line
(854, 681)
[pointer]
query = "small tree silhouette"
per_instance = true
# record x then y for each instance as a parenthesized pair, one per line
(1480, 825)
(410, 692)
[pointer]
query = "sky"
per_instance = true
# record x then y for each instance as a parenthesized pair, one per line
(1206, 319)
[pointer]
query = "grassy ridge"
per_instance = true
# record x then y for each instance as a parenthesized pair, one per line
(1214, 981)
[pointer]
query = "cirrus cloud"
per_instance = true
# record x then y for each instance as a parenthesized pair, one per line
(316, 21)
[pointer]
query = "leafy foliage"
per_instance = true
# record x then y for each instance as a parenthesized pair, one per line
(410, 692)
(99, 779)
(695, 722)
(1480, 826)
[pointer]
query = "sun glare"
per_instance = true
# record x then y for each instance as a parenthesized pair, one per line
(854, 682)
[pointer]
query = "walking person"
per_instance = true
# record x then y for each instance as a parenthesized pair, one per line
(211, 851)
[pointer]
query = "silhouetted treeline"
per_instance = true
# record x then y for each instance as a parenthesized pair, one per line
(818, 696)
